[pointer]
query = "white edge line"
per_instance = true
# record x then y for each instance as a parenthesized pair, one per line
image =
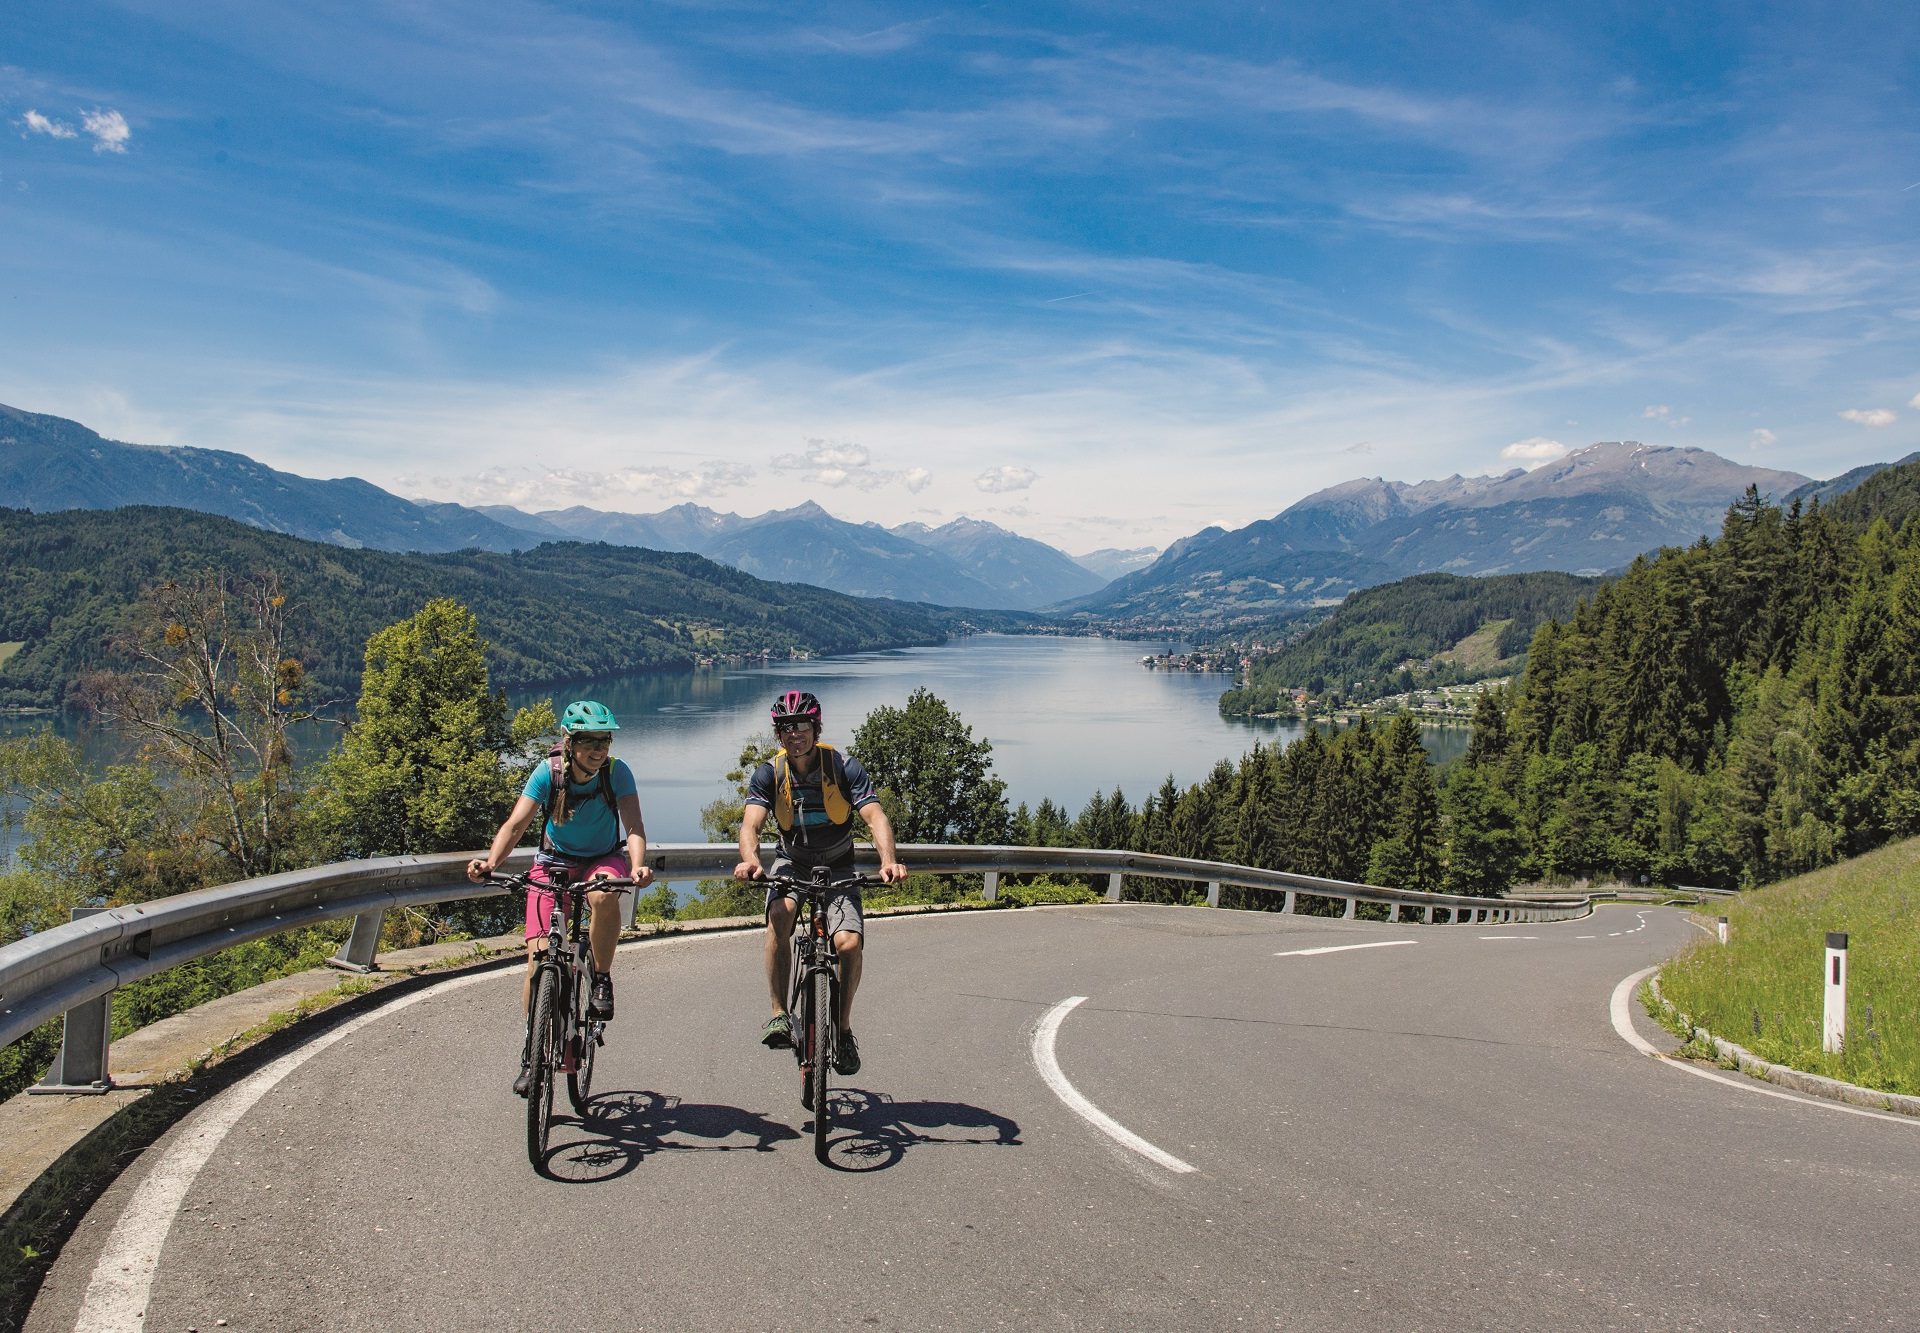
(1049, 1067)
(1340, 948)
(1621, 1010)
(116, 1298)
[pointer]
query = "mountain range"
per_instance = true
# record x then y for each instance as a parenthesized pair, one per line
(49, 464)
(1589, 512)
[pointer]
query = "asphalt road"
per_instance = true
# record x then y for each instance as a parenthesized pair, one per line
(1446, 1133)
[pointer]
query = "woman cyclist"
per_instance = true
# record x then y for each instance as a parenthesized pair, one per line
(584, 814)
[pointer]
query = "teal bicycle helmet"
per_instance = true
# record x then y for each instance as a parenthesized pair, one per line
(586, 715)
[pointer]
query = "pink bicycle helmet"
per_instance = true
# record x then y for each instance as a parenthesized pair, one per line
(796, 704)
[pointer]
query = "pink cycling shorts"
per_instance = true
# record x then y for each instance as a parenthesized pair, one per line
(540, 901)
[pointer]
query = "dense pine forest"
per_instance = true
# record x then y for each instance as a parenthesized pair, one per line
(1728, 714)
(558, 612)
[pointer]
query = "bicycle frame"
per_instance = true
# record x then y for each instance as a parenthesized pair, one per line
(561, 1039)
(816, 1034)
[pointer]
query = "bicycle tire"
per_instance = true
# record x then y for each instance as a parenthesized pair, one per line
(540, 1070)
(820, 1048)
(580, 1080)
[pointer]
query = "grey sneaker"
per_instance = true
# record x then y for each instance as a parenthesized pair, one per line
(846, 1056)
(777, 1035)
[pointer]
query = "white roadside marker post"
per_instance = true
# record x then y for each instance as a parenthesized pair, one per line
(1834, 1031)
(1723, 930)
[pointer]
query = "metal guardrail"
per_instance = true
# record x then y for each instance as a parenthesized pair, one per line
(73, 969)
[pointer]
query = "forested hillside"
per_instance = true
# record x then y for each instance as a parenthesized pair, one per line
(1728, 714)
(557, 612)
(1450, 629)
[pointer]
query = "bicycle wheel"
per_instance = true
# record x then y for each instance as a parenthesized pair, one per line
(820, 1048)
(540, 1071)
(580, 1078)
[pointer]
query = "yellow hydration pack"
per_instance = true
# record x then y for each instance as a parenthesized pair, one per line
(833, 788)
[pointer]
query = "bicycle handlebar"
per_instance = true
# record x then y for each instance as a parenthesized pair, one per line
(807, 885)
(523, 881)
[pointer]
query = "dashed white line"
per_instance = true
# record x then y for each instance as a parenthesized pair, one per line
(1049, 1067)
(1340, 948)
(1621, 1012)
(1509, 937)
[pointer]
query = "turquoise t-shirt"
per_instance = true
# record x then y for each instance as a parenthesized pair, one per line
(593, 829)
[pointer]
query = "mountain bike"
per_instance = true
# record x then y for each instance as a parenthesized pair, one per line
(561, 1038)
(813, 991)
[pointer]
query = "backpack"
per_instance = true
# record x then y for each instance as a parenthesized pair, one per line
(833, 788)
(557, 777)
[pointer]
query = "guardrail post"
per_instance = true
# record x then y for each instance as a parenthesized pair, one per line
(1213, 893)
(356, 955)
(1114, 881)
(1287, 907)
(80, 1069)
(1429, 916)
(1721, 929)
(1834, 1029)
(1353, 905)
(991, 889)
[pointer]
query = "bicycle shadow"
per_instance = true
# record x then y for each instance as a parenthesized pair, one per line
(621, 1129)
(872, 1132)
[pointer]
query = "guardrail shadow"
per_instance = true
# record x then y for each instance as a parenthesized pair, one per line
(880, 1130)
(621, 1129)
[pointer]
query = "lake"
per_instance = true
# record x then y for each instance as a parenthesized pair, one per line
(1066, 716)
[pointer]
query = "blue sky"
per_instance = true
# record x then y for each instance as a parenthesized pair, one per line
(1104, 274)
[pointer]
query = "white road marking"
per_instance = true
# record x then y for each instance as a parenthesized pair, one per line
(1341, 948)
(116, 1298)
(1586, 937)
(1621, 1011)
(1049, 1067)
(1509, 937)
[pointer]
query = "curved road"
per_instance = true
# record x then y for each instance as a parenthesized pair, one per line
(1446, 1133)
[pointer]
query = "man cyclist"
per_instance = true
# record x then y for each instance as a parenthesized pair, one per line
(812, 791)
(587, 796)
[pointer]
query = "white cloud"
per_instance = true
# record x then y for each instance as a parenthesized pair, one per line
(840, 463)
(1869, 416)
(1534, 451)
(39, 124)
(1914, 402)
(624, 490)
(1763, 438)
(1006, 477)
(108, 128)
(1661, 412)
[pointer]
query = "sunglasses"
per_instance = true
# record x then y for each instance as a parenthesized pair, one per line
(592, 742)
(790, 728)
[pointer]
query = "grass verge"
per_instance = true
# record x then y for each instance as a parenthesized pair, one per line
(1765, 990)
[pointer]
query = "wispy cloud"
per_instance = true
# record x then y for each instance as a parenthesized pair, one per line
(1663, 414)
(108, 128)
(1534, 451)
(839, 463)
(1763, 438)
(1006, 477)
(1873, 417)
(53, 129)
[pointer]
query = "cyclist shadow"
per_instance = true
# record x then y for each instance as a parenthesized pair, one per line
(872, 1132)
(622, 1129)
